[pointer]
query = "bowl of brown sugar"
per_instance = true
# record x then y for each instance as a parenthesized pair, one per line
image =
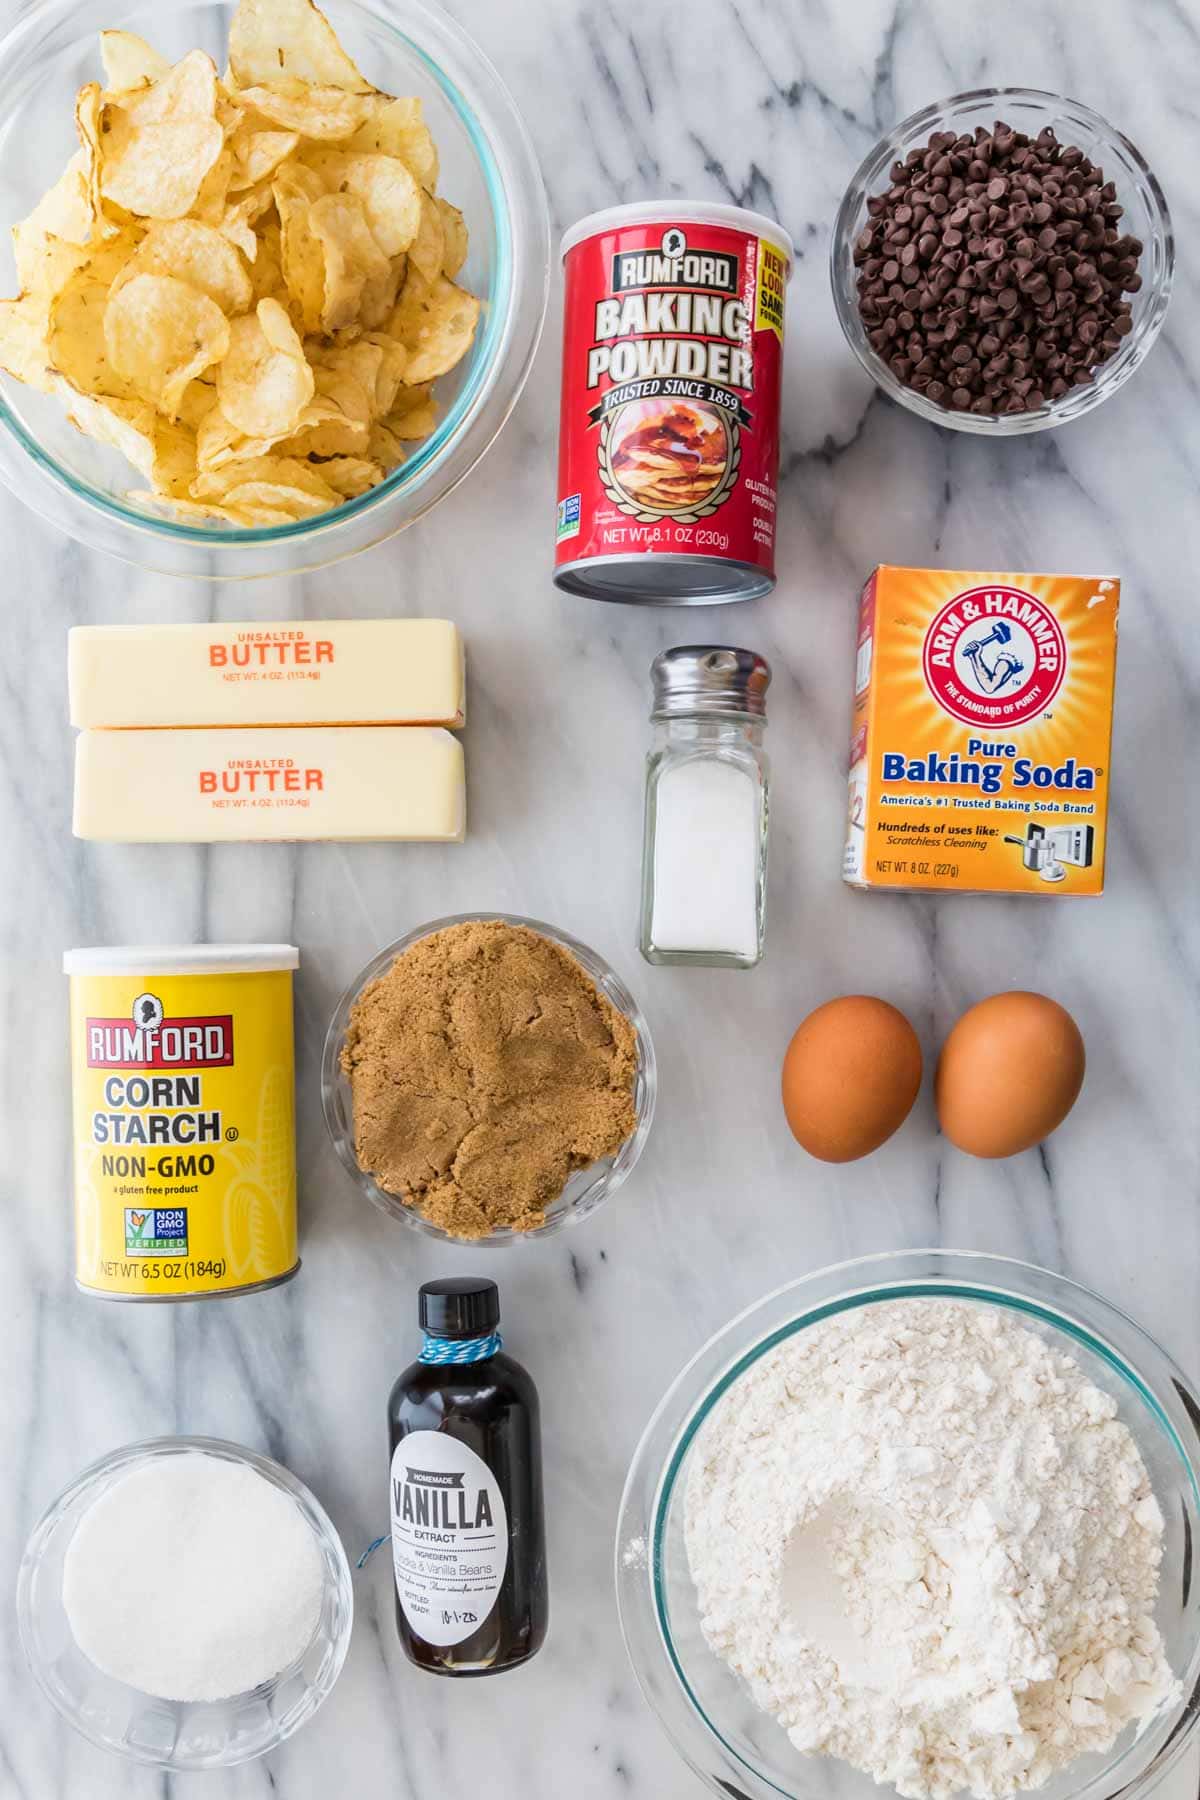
(488, 1078)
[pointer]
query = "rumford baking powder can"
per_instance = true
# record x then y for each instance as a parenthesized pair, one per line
(183, 1086)
(669, 437)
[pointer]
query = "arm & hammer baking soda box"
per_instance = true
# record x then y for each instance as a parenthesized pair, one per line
(982, 732)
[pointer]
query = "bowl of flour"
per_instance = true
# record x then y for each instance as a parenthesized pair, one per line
(923, 1522)
(185, 1603)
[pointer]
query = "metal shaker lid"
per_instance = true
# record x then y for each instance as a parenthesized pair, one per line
(709, 678)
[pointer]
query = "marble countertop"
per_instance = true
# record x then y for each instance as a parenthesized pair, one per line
(772, 106)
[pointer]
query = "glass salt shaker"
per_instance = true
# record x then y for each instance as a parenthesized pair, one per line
(704, 860)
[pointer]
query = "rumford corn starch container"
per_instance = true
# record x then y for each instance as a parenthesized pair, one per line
(183, 1086)
(668, 442)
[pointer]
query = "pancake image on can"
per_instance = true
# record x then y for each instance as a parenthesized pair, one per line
(183, 1085)
(669, 456)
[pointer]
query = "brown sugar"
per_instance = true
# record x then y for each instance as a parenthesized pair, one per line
(486, 1067)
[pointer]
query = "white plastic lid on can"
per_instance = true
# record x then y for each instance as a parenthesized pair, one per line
(678, 212)
(181, 959)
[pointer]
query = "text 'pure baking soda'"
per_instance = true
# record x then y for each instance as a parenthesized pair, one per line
(982, 732)
(184, 1119)
(673, 319)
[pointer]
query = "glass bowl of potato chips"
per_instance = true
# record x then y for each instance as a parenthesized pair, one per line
(278, 274)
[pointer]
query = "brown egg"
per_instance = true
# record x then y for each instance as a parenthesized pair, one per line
(850, 1077)
(1009, 1074)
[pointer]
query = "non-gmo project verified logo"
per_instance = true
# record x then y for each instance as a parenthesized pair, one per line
(568, 517)
(156, 1231)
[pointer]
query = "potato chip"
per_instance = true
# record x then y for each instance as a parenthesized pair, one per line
(196, 254)
(212, 199)
(387, 191)
(160, 142)
(238, 220)
(454, 228)
(435, 321)
(393, 362)
(428, 248)
(352, 257)
(76, 326)
(24, 341)
(301, 256)
(160, 333)
(208, 511)
(336, 422)
(376, 361)
(324, 113)
(257, 155)
(266, 271)
(351, 476)
(174, 464)
(50, 264)
(287, 504)
(414, 414)
(218, 441)
(378, 301)
(398, 128)
(264, 382)
(129, 62)
(196, 402)
(126, 425)
(64, 213)
(384, 447)
(284, 485)
(88, 107)
(279, 40)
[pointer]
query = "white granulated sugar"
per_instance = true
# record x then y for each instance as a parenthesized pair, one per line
(928, 1545)
(192, 1578)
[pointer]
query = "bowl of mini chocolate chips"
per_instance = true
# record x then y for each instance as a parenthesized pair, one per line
(1002, 261)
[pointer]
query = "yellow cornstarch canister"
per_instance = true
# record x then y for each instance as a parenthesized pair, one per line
(183, 1078)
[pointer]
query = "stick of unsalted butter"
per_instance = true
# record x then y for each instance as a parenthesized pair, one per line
(337, 783)
(300, 672)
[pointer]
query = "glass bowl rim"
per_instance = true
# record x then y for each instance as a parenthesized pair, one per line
(599, 970)
(150, 1449)
(873, 1279)
(511, 283)
(1075, 403)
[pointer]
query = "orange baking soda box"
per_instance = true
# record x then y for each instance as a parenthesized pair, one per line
(982, 731)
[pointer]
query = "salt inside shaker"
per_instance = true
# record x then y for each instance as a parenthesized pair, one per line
(704, 863)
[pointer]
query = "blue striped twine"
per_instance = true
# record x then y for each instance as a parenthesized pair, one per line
(446, 1350)
(460, 1350)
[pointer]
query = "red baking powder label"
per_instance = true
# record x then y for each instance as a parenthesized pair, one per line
(672, 353)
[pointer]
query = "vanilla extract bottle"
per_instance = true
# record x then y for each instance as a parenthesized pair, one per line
(468, 1532)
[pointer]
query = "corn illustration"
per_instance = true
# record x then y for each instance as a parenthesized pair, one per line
(260, 1204)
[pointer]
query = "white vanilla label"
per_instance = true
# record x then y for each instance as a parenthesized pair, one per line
(449, 1536)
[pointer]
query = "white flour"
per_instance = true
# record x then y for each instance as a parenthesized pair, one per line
(927, 1544)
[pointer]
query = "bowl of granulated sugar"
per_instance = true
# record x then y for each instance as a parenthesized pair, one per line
(185, 1603)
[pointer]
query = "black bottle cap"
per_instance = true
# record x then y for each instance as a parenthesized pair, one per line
(461, 1306)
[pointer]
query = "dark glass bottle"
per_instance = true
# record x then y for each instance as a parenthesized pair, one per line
(468, 1533)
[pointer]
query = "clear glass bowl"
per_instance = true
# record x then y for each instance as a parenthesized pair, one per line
(706, 1709)
(172, 1734)
(587, 1188)
(488, 169)
(1146, 217)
